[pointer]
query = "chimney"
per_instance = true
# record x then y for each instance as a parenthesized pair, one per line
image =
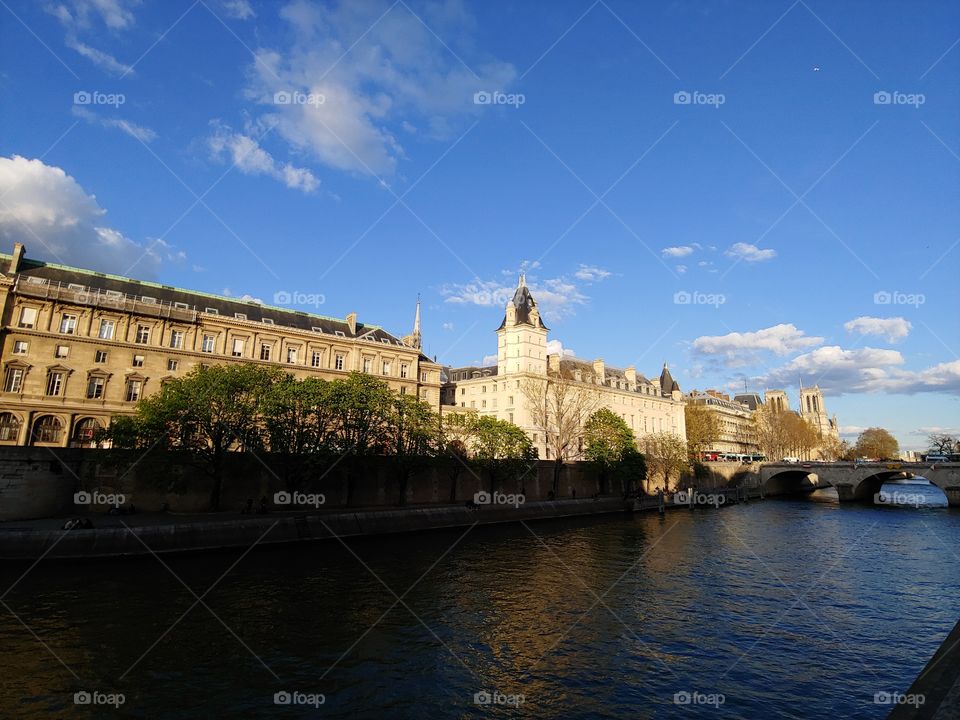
(15, 259)
(600, 371)
(553, 363)
(631, 375)
(352, 322)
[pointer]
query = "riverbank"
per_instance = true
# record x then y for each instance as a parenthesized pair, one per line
(115, 536)
(143, 534)
(938, 685)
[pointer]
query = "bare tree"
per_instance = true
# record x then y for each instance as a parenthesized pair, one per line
(559, 407)
(944, 444)
(666, 456)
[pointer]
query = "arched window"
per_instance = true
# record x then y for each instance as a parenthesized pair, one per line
(47, 429)
(9, 426)
(83, 432)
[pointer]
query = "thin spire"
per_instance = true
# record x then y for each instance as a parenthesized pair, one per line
(523, 280)
(416, 319)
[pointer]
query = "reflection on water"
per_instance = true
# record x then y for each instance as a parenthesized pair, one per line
(787, 609)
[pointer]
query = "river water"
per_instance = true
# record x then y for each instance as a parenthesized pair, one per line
(779, 609)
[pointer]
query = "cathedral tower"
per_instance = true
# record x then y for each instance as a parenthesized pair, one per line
(522, 336)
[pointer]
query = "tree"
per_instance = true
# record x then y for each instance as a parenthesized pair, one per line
(703, 430)
(608, 441)
(876, 442)
(559, 408)
(781, 433)
(456, 431)
(501, 449)
(943, 444)
(208, 412)
(666, 455)
(412, 434)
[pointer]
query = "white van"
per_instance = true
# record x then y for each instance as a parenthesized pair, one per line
(791, 460)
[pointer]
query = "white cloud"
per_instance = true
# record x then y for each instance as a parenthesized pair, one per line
(590, 273)
(750, 253)
(555, 347)
(556, 297)
(448, 326)
(678, 251)
(681, 269)
(245, 297)
(144, 134)
(115, 14)
(238, 9)
(49, 212)
(741, 348)
(865, 370)
(851, 430)
(893, 329)
(251, 159)
(100, 58)
(380, 71)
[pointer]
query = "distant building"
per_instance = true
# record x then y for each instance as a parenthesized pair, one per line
(812, 409)
(738, 434)
(80, 346)
(647, 406)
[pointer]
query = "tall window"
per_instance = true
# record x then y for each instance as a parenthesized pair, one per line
(95, 387)
(315, 358)
(55, 383)
(386, 367)
(291, 354)
(68, 324)
(367, 362)
(48, 429)
(134, 388)
(423, 377)
(265, 350)
(404, 370)
(9, 426)
(107, 329)
(13, 380)
(20, 347)
(143, 334)
(28, 317)
(207, 344)
(176, 339)
(338, 362)
(238, 345)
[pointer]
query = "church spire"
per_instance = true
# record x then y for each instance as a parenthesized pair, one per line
(414, 339)
(523, 280)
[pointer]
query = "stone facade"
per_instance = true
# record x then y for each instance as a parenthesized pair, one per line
(738, 432)
(647, 406)
(78, 347)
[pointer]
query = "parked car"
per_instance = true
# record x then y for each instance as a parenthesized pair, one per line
(791, 460)
(936, 458)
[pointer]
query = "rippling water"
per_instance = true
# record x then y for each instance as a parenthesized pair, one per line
(786, 609)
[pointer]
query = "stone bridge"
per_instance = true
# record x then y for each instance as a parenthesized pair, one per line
(855, 481)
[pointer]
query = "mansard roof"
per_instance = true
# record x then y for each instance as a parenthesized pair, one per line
(524, 303)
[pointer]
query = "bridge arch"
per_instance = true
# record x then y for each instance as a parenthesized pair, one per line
(869, 485)
(792, 481)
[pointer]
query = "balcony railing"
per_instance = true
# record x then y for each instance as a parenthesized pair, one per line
(95, 297)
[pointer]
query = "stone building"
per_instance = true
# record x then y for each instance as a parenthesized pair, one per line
(647, 406)
(813, 410)
(78, 346)
(738, 432)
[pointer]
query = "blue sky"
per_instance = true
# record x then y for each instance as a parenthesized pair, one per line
(748, 190)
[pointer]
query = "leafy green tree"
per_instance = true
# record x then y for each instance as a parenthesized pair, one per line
(411, 437)
(608, 441)
(456, 437)
(501, 449)
(209, 411)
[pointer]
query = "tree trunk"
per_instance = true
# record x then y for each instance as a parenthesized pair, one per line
(557, 467)
(217, 480)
